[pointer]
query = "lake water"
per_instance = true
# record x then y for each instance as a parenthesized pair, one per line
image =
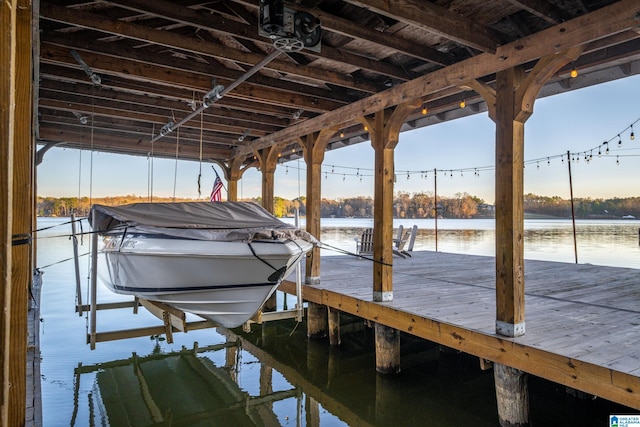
(274, 375)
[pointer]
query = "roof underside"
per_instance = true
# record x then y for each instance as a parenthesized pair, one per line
(156, 59)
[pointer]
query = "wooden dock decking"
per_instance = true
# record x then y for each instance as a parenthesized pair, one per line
(582, 321)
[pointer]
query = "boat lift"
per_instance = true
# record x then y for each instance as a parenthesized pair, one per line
(290, 31)
(173, 320)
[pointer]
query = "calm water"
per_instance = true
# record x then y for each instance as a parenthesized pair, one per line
(274, 375)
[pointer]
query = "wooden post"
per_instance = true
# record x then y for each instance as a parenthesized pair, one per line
(334, 326)
(8, 35)
(509, 207)
(233, 171)
(314, 146)
(21, 208)
(387, 349)
(268, 158)
(316, 321)
(384, 130)
(512, 396)
(510, 105)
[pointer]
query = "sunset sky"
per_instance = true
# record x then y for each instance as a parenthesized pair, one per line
(576, 121)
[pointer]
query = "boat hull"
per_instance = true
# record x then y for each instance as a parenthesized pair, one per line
(226, 282)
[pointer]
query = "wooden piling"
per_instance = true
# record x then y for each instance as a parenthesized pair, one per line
(512, 395)
(334, 326)
(387, 349)
(317, 321)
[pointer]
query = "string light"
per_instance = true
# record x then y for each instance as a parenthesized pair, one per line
(463, 103)
(366, 128)
(573, 73)
(424, 110)
(586, 155)
(341, 134)
(632, 136)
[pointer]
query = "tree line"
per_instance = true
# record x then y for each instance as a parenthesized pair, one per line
(405, 205)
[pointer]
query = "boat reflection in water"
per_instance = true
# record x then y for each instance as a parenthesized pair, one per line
(178, 388)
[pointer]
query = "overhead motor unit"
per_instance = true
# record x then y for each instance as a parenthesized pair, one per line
(280, 23)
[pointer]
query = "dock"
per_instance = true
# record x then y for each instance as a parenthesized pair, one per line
(582, 321)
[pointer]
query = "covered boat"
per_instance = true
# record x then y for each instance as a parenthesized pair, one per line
(218, 260)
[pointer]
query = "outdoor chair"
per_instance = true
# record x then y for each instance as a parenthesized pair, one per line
(364, 243)
(412, 241)
(398, 244)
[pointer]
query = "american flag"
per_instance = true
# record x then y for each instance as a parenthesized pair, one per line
(216, 192)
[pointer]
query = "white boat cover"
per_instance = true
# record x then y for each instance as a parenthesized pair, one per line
(223, 221)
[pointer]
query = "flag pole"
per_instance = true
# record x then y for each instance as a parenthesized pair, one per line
(221, 181)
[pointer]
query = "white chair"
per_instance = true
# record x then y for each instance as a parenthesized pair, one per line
(364, 243)
(398, 244)
(412, 240)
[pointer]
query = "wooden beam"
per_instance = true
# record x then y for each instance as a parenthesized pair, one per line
(191, 44)
(436, 19)
(57, 73)
(349, 28)
(112, 144)
(609, 20)
(219, 24)
(144, 73)
(147, 114)
(8, 34)
(211, 69)
(542, 9)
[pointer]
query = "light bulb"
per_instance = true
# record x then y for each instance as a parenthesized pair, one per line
(463, 104)
(341, 134)
(424, 110)
(573, 73)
